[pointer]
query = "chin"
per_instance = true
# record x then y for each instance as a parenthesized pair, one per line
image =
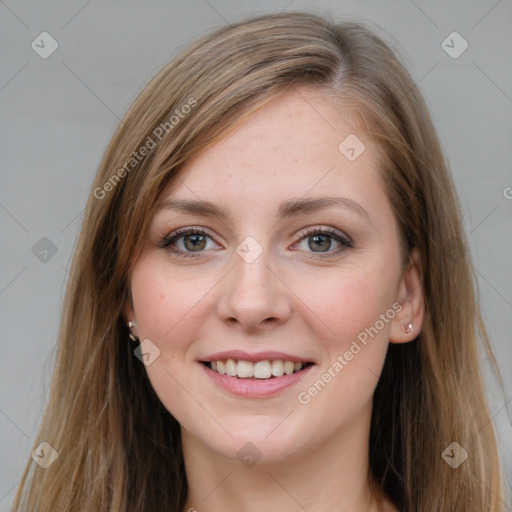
(256, 440)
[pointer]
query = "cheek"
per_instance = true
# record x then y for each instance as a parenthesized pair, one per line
(166, 308)
(354, 310)
(348, 300)
(164, 303)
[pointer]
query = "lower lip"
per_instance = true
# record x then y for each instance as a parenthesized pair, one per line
(255, 388)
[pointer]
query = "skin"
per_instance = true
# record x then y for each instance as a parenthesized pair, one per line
(285, 300)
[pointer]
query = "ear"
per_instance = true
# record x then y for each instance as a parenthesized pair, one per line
(410, 296)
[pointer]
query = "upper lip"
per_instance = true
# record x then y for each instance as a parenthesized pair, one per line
(255, 357)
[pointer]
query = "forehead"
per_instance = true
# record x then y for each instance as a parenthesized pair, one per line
(300, 144)
(300, 123)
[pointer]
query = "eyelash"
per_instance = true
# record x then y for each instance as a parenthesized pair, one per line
(345, 241)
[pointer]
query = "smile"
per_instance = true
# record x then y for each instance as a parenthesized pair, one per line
(266, 369)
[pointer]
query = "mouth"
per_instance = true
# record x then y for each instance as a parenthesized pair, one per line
(261, 370)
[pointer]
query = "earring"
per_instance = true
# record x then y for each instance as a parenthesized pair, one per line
(407, 328)
(130, 325)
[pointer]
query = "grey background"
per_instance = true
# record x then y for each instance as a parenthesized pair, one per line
(59, 113)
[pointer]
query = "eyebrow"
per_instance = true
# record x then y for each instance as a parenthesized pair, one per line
(287, 209)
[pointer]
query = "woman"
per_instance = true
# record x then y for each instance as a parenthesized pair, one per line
(270, 302)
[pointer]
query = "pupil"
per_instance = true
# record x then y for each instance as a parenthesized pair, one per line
(318, 242)
(197, 241)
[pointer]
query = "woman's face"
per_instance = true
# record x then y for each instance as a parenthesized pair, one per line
(276, 275)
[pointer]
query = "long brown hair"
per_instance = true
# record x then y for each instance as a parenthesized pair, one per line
(118, 448)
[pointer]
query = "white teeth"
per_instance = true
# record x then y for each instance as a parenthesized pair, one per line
(277, 368)
(244, 369)
(288, 367)
(260, 370)
(230, 367)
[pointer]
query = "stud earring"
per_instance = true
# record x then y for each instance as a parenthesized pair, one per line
(130, 325)
(407, 328)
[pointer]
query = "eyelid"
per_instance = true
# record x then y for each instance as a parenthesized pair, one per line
(181, 232)
(324, 230)
(339, 236)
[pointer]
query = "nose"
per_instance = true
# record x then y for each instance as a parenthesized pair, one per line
(254, 298)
